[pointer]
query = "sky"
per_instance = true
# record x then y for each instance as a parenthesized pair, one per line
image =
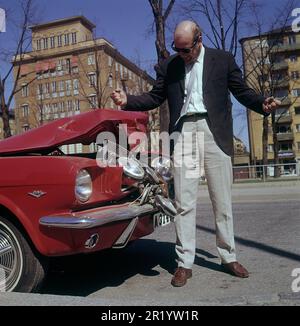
(125, 23)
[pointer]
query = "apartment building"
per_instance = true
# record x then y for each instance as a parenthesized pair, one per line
(69, 71)
(272, 66)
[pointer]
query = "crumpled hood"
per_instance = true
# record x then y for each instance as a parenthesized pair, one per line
(82, 128)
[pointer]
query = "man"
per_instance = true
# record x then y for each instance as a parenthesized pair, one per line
(196, 82)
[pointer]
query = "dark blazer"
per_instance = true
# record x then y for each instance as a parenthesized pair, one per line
(220, 75)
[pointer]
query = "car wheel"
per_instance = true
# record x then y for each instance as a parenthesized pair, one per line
(21, 269)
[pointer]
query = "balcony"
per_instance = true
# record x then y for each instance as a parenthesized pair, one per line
(286, 101)
(280, 83)
(280, 66)
(285, 136)
(285, 47)
(286, 154)
(284, 119)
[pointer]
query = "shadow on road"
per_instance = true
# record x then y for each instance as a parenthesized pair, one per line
(83, 275)
(258, 245)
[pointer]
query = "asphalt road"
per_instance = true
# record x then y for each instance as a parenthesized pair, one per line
(267, 232)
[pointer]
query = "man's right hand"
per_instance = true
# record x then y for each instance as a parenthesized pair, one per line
(119, 97)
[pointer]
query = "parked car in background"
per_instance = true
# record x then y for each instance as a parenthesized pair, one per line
(57, 204)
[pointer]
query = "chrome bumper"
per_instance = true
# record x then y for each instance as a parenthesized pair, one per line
(98, 217)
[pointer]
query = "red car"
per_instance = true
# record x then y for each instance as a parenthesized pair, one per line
(53, 204)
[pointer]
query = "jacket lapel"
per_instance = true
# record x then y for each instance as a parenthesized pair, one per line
(181, 73)
(208, 66)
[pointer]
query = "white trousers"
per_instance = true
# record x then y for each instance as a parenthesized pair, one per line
(196, 149)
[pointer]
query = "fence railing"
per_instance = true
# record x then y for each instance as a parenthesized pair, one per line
(266, 172)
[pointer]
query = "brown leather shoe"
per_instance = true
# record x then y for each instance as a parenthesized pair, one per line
(181, 276)
(236, 269)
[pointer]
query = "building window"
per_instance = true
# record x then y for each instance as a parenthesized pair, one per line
(284, 147)
(295, 75)
(68, 87)
(75, 70)
(68, 65)
(76, 105)
(293, 58)
(69, 105)
(45, 43)
(54, 86)
(110, 81)
(297, 110)
(121, 70)
(38, 45)
(61, 85)
(296, 92)
(52, 42)
(292, 39)
(109, 61)
(125, 71)
(92, 79)
(93, 101)
(271, 148)
(59, 65)
(298, 145)
(76, 86)
(40, 89)
(91, 59)
(67, 39)
(74, 38)
(59, 40)
(298, 128)
(283, 112)
(26, 127)
(25, 110)
(47, 88)
(24, 90)
(282, 93)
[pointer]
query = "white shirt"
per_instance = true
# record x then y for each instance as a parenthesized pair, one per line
(196, 104)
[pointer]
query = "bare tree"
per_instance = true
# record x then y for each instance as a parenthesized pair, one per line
(262, 59)
(153, 125)
(27, 11)
(223, 19)
(96, 81)
(161, 15)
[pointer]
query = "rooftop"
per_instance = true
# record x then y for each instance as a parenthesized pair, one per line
(87, 23)
(277, 31)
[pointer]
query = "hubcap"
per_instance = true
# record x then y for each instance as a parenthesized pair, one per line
(11, 261)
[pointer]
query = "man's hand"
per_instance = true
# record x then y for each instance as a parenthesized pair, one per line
(119, 97)
(270, 104)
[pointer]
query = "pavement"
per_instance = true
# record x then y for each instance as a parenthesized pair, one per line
(267, 229)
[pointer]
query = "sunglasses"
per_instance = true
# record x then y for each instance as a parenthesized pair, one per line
(185, 50)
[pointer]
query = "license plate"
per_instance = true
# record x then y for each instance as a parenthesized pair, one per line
(161, 219)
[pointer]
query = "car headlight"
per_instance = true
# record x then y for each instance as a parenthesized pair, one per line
(163, 166)
(83, 186)
(132, 168)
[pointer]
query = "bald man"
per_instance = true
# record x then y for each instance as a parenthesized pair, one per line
(197, 81)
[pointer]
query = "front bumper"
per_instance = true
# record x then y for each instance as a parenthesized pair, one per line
(97, 217)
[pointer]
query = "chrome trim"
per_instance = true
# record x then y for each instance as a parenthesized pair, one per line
(95, 218)
(92, 241)
(126, 235)
(37, 193)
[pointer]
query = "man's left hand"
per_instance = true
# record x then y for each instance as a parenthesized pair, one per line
(270, 104)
